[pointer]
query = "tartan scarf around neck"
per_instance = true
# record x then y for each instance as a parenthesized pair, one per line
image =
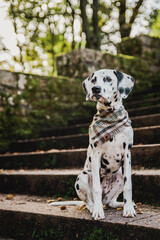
(106, 125)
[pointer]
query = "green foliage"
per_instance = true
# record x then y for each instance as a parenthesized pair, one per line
(45, 103)
(155, 24)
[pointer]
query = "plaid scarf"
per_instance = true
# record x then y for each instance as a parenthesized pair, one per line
(106, 125)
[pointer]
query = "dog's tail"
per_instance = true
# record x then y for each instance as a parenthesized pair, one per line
(66, 203)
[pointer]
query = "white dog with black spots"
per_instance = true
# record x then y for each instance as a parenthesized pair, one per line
(107, 170)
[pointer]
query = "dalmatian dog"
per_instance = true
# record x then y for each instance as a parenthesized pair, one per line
(107, 170)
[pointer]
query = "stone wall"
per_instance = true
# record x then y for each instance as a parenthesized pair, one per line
(139, 57)
(79, 63)
(146, 47)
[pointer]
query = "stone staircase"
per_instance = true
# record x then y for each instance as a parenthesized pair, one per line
(39, 171)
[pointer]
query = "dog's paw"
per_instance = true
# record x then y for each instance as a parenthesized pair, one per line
(98, 213)
(90, 207)
(129, 211)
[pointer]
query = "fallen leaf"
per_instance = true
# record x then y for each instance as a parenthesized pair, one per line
(104, 207)
(51, 200)
(82, 207)
(63, 207)
(118, 209)
(139, 203)
(75, 199)
(1, 170)
(9, 196)
(60, 199)
(139, 211)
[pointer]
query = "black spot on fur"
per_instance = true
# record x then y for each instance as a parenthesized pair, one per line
(125, 180)
(77, 186)
(91, 146)
(129, 146)
(111, 140)
(89, 159)
(122, 164)
(105, 161)
(115, 171)
(132, 79)
(92, 75)
(121, 90)
(103, 165)
(84, 87)
(125, 201)
(95, 144)
(124, 145)
(104, 90)
(94, 80)
(127, 91)
(108, 171)
(127, 156)
(118, 161)
(84, 172)
(107, 104)
(119, 75)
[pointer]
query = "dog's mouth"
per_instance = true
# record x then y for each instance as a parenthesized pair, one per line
(97, 96)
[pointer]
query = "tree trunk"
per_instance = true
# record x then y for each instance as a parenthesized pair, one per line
(96, 32)
(86, 25)
(125, 28)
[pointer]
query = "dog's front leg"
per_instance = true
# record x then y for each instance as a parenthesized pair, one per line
(98, 212)
(128, 208)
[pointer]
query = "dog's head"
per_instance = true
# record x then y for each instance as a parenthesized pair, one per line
(107, 85)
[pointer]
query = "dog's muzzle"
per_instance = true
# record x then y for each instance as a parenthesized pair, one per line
(96, 91)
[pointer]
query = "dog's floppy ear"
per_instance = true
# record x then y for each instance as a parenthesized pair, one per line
(125, 83)
(85, 89)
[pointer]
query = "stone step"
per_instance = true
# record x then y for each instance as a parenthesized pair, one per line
(139, 121)
(143, 135)
(151, 92)
(141, 103)
(146, 183)
(147, 156)
(153, 109)
(25, 217)
(144, 110)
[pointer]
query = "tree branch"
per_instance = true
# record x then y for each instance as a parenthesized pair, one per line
(136, 11)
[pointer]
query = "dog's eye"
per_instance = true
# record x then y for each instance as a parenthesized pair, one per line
(107, 79)
(94, 80)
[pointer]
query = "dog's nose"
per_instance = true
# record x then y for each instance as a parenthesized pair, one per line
(96, 89)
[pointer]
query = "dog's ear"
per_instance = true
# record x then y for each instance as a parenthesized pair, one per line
(125, 83)
(85, 89)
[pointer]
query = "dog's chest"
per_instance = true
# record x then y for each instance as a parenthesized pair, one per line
(112, 159)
